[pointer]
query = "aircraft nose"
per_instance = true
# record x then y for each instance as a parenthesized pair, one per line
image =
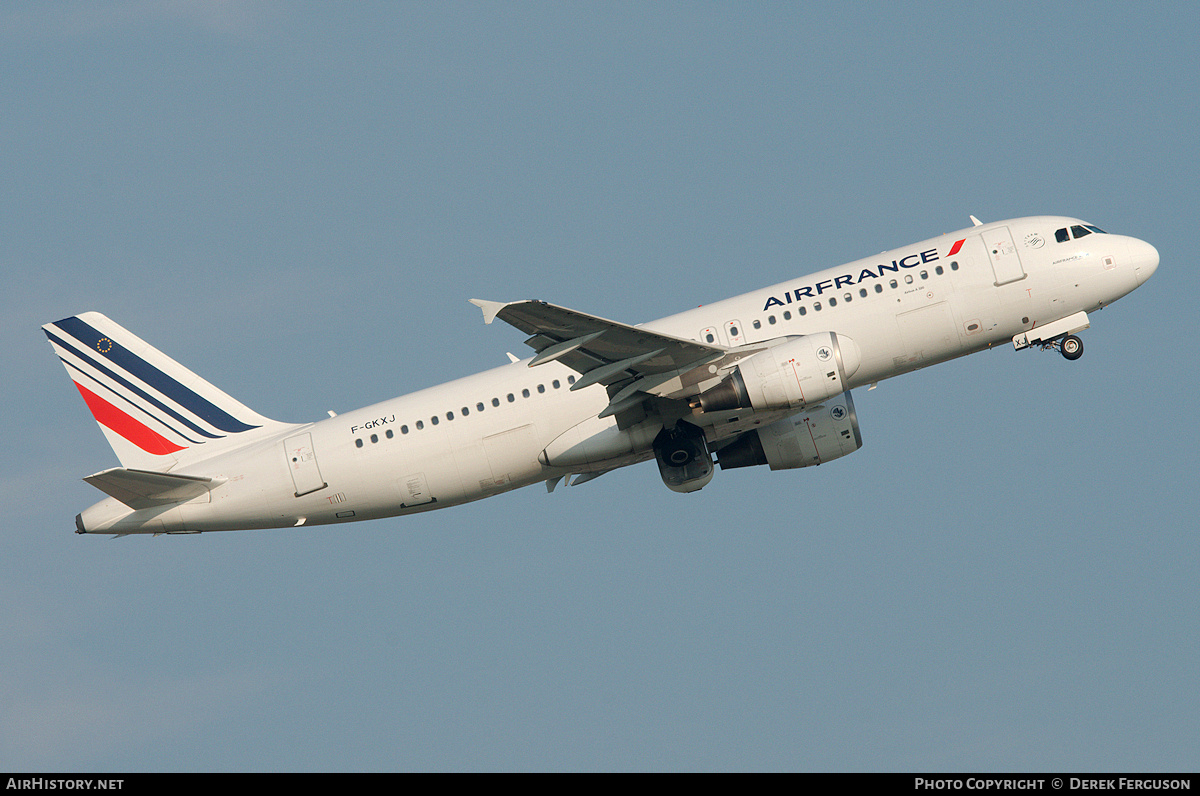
(1145, 259)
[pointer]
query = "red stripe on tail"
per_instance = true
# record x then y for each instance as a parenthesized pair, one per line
(113, 418)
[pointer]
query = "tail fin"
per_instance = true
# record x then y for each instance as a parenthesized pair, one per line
(154, 412)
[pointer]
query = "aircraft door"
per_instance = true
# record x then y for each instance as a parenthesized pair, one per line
(512, 455)
(928, 333)
(415, 490)
(733, 330)
(302, 462)
(709, 336)
(1006, 263)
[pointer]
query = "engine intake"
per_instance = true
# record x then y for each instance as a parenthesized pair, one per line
(683, 458)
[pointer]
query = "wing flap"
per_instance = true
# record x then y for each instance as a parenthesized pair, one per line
(143, 489)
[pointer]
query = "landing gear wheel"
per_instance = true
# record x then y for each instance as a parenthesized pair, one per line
(1072, 347)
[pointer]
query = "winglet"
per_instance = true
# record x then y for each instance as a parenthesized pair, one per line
(976, 221)
(490, 308)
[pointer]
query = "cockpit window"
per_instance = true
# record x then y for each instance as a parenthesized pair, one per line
(1077, 231)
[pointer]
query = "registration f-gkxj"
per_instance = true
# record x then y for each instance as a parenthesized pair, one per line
(762, 378)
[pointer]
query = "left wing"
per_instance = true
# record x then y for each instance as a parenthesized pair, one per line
(630, 361)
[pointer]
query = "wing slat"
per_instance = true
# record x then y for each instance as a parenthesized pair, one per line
(609, 351)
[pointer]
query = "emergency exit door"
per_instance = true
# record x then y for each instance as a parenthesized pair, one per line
(302, 461)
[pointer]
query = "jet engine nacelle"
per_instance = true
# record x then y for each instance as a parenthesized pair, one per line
(794, 373)
(683, 458)
(825, 432)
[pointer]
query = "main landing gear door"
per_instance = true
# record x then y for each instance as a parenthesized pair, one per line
(302, 462)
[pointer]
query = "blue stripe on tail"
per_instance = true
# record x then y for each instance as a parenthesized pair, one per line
(135, 365)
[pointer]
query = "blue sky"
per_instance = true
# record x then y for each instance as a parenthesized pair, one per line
(296, 201)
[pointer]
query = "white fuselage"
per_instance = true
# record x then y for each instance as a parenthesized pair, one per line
(484, 434)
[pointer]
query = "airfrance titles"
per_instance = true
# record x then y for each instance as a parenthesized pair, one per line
(864, 274)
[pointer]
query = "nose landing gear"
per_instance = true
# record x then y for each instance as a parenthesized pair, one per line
(1071, 347)
(1059, 335)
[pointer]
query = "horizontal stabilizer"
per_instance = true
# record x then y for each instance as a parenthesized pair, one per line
(143, 489)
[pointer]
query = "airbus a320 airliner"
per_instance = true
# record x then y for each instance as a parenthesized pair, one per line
(762, 378)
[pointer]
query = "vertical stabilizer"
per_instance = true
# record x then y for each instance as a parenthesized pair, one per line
(155, 412)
